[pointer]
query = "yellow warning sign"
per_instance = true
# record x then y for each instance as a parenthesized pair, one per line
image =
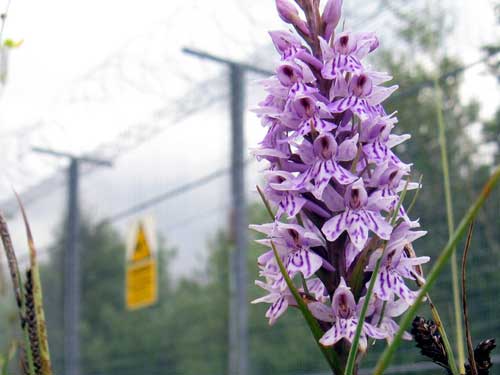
(141, 249)
(141, 284)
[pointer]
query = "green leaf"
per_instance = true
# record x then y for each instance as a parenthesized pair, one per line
(451, 226)
(313, 324)
(12, 44)
(6, 360)
(17, 283)
(353, 351)
(329, 354)
(38, 298)
(446, 253)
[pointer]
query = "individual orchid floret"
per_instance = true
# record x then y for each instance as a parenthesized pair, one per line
(382, 315)
(357, 219)
(388, 178)
(293, 244)
(323, 157)
(379, 150)
(346, 54)
(287, 44)
(397, 265)
(293, 74)
(289, 202)
(343, 315)
(306, 114)
(339, 60)
(280, 300)
(360, 91)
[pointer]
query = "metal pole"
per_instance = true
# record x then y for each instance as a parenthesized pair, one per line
(72, 279)
(238, 303)
(239, 267)
(72, 273)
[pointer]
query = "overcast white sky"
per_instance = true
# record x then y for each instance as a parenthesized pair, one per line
(88, 71)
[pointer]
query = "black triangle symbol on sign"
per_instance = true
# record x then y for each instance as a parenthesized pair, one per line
(141, 249)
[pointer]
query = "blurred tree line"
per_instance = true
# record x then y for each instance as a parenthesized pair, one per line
(186, 331)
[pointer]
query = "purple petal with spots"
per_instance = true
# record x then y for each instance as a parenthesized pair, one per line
(291, 203)
(376, 152)
(373, 331)
(276, 310)
(303, 261)
(343, 104)
(357, 228)
(377, 224)
(321, 311)
(334, 227)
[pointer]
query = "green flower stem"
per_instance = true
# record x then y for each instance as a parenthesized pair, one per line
(446, 253)
(313, 324)
(329, 354)
(444, 336)
(459, 334)
(415, 196)
(351, 359)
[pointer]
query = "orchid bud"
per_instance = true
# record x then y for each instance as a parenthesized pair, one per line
(331, 17)
(289, 13)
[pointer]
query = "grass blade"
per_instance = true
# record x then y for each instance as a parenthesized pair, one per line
(17, 284)
(309, 318)
(8, 358)
(446, 253)
(353, 351)
(317, 332)
(459, 335)
(446, 342)
(415, 196)
(470, 348)
(46, 367)
(419, 274)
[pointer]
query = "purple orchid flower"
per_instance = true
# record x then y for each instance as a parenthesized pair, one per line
(382, 314)
(397, 265)
(360, 95)
(332, 168)
(293, 244)
(343, 315)
(289, 202)
(346, 54)
(358, 218)
(322, 158)
(280, 300)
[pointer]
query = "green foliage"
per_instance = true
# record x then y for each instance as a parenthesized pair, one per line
(185, 333)
(10, 43)
(6, 359)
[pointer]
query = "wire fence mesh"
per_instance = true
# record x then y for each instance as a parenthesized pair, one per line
(186, 332)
